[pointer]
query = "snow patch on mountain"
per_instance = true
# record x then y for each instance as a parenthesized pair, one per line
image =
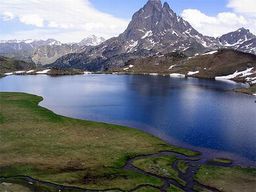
(147, 34)
(244, 73)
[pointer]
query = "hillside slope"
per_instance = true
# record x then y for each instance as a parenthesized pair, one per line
(10, 65)
(222, 64)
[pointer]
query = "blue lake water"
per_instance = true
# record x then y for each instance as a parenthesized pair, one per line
(189, 112)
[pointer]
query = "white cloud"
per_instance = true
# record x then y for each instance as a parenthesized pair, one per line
(247, 7)
(217, 25)
(32, 20)
(57, 17)
(7, 16)
(242, 14)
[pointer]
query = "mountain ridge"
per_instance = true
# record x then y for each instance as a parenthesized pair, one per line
(43, 52)
(155, 29)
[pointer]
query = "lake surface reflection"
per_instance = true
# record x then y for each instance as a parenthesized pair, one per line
(194, 112)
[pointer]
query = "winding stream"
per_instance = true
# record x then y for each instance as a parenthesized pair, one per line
(193, 162)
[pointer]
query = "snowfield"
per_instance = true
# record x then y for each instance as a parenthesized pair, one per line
(210, 53)
(244, 73)
(8, 74)
(177, 75)
(153, 74)
(19, 72)
(192, 73)
(43, 72)
(31, 71)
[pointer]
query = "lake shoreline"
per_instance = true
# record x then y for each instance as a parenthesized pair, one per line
(250, 90)
(162, 126)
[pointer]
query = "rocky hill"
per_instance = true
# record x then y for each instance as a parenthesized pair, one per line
(10, 65)
(225, 64)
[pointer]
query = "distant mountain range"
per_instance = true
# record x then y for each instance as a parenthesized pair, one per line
(43, 52)
(154, 30)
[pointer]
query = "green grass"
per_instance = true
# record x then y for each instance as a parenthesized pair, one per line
(182, 166)
(235, 179)
(36, 142)
(147, 189)
(222, 160)
(161, 166)
(174, 189)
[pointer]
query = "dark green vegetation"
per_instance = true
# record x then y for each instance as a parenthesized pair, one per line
(38, 146)
(11, 65)
(233, 179)
(221, 160)
(147, 189)
(161, 166)
(58, 72)
(182, 166)
(174, 189)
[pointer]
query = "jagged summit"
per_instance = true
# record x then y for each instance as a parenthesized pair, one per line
(156, 2)
(157, 27)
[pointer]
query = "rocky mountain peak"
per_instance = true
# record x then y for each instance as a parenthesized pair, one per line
(156, 3)
(167, 8)
(157, 25)
(236, 38)
(91, 41)
(151, 20)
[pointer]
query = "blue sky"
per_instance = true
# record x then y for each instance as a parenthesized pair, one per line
(72, 20)
(124, 10)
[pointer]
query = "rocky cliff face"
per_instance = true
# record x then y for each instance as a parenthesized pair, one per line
(47, 54)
